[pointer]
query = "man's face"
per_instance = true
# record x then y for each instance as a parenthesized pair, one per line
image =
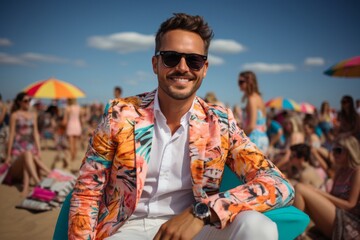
(179, 82)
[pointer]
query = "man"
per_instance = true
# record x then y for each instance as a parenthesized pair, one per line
(155, 163)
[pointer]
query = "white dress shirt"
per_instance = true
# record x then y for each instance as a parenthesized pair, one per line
(168, 187)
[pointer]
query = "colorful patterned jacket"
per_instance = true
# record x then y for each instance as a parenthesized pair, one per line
(114, 169)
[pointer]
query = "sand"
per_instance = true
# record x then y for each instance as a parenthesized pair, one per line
(16, 224)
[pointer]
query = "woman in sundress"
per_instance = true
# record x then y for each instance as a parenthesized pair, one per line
(23, 149)
(72, 121)
(255, 112)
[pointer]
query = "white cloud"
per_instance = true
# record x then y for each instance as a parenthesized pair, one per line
(124, 42)
(4, 42)
(226, 46)
(214, 60)
(269, 68)
(314, 61)
(36, 57)
(13, 60)
(30, 58)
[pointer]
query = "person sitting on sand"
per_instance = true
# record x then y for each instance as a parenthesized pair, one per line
(24, 143)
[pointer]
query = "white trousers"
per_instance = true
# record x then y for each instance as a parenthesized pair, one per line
(248, 225)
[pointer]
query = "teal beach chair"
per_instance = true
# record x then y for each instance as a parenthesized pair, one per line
(291, 222)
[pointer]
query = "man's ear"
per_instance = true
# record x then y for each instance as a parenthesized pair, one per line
(154, 61)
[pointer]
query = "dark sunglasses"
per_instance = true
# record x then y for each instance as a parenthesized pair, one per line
(171, 58)
(337, 150)
(241, 82)
(26, 100)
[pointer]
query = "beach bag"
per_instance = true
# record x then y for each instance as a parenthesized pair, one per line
(42, 194)
(4, 168)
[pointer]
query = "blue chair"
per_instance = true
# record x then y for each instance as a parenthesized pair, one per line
(61, 227)
(291, 222)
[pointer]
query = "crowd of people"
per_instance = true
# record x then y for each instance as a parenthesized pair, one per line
(29, 126)
(317, 152)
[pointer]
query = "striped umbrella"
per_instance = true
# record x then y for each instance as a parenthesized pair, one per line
(346, 68)
(53, 88)
(306, 107)
(283, 104)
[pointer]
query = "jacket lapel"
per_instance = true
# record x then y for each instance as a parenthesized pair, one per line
(143, 132)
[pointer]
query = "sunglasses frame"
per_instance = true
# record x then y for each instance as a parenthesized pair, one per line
(26, 100)
(241, 82)
(181, 55)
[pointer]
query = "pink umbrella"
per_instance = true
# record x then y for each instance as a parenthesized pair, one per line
(306, 107)
(346, 68)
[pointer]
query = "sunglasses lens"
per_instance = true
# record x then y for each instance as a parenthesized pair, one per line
(171, 59)
(194, 61)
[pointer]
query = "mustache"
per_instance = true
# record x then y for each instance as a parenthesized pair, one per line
(180, 74)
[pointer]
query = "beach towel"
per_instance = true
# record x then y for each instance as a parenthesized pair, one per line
(42, 194)
(50, 192)
(34, 205)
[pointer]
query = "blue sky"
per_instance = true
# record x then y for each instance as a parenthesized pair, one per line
(99, 44)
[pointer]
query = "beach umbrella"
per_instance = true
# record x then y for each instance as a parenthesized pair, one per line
(306, 107)
(283, 104)
(53, 88)
(346, 68)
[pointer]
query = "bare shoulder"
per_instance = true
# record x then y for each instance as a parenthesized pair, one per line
(357, 171)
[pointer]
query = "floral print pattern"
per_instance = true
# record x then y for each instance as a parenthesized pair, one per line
(113, 172)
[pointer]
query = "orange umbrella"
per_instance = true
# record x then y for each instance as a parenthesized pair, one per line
(54, 89)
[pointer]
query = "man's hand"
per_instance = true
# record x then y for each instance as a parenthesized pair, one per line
(183, 226)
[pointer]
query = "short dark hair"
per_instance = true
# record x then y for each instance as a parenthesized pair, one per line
(119, 89)
(186, 22)
(310, 120)
(301, 150)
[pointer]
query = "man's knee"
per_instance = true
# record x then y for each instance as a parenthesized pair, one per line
(255, 225)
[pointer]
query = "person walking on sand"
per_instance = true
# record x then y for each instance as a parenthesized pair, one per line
(156, 160)
(72, 121)
(24, 143)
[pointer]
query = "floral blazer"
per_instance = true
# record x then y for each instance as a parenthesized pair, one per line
(113, 172)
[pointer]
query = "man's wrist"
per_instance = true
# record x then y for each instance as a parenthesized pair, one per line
(202, 211)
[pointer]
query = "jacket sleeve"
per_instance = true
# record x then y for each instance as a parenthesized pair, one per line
(93, 177)
(264, 188)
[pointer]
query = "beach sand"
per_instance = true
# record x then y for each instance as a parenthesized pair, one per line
(20, 224)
